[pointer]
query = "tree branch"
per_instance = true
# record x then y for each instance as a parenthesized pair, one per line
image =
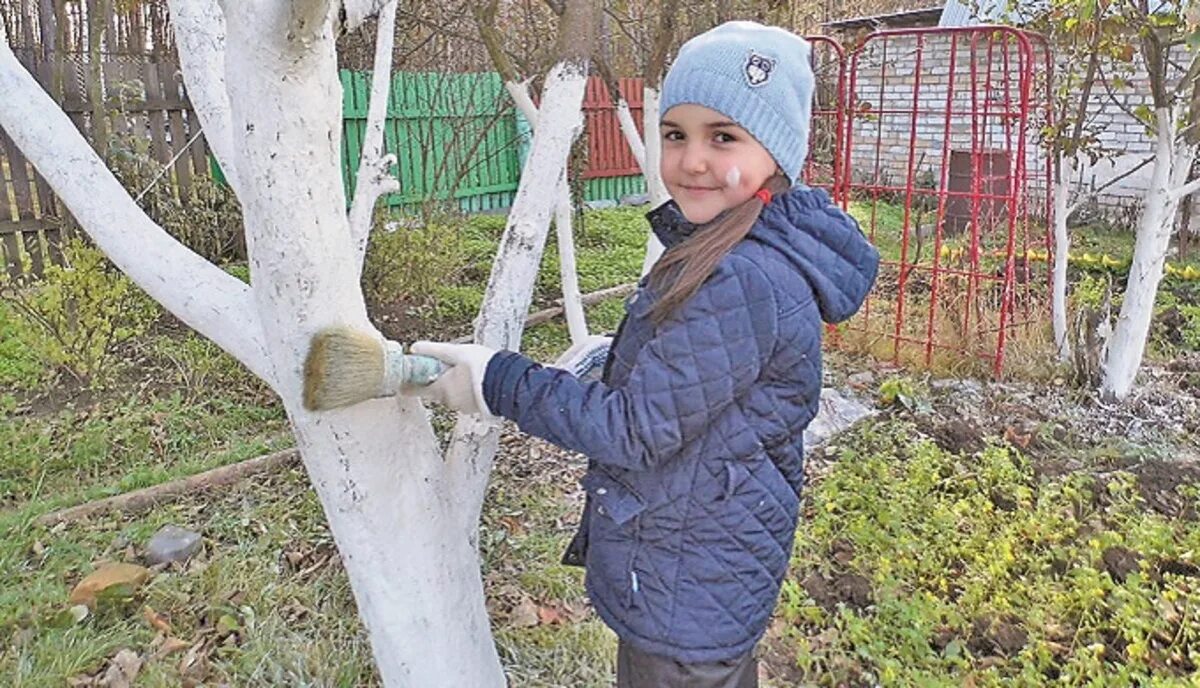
(200, 33)
(1186, 190)
(1113, 96)
(657, 61)
(355, 12)
(211, 301)
(434, 27)
(374, 168)
(623, 25)
(485, 20)
(1110, 182)
(624, 116)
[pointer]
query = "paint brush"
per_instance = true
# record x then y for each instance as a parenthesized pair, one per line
(346, 366)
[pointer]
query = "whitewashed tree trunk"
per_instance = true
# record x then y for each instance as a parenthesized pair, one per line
(630, 132)
(564, 233)
(1062, 247)
(1160, 204)
(402, 516)
(506, 302)
(652, 170)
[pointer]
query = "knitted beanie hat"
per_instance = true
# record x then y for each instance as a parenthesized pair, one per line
(759, 76)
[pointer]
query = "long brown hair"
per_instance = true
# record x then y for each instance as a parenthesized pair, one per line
(677, 276)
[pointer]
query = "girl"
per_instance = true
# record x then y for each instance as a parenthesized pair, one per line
(694, 432)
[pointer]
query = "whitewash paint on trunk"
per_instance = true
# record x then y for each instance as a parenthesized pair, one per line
(1172, 162)
(265, 85)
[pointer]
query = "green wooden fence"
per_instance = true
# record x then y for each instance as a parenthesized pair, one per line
(455, 136)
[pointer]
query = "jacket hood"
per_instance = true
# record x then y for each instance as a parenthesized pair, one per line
(818, 238)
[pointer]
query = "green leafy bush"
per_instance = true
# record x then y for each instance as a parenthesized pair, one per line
(409, 261)
(79, 312)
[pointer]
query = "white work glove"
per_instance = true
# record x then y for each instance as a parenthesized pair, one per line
(461, 387)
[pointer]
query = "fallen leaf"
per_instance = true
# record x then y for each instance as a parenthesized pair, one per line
(170, 646)
(1017, 438)
(157, 621)
(525, 614)
(124, 577)
(123, 668)
(512, 525)
(549, 615)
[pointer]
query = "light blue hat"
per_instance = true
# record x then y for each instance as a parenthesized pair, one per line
(759, 76)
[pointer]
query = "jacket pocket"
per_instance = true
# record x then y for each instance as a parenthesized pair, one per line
(613, 500)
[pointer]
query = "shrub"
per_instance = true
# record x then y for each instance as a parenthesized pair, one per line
(79, 312)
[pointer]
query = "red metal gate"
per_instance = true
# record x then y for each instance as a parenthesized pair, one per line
(938, 156)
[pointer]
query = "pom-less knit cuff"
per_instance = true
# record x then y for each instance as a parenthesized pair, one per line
(504, 370)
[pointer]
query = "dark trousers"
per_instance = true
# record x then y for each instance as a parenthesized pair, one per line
(640, 670)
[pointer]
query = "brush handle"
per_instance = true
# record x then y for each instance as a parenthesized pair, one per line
(404, 370)
(422, 370)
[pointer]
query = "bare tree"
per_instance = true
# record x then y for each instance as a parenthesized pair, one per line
(404, 515)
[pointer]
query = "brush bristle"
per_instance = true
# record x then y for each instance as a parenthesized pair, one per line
(344, 366)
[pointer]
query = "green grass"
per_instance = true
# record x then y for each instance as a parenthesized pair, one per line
(290, 621)
(887, 221)
(609, 251)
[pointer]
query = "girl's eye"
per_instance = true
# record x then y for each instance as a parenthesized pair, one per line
(673, 135)
(722, 137)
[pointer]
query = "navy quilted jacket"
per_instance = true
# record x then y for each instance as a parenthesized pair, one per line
(694, 433)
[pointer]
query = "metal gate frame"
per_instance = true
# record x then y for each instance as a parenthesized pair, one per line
(959, 302)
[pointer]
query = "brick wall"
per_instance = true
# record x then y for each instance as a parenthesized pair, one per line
(918, 99)
(980, 108)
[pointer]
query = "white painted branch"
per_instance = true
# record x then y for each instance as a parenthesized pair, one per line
(374, 177)
(510, 286)
(1181, 192)
(572, 304)
(520, 95)
(200, 30)
(632, 137)
(214, 303)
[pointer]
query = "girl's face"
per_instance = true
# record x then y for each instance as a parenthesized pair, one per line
(710, 164)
